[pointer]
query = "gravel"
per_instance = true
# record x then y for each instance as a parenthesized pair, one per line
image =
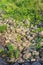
(21, 37)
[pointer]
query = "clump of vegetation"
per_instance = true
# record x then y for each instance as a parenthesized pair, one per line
(10, 47)
(11, 52)
(18, 37)
(3, 28)
(1, 50)
(16, 53)
(38, 39)
(22, 9)
(38, 46)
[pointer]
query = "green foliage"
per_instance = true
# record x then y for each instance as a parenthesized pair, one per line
(12, 52)
(37, 30)
(16, 53)
(22, 9)
(38, 46)
(10, 47)
(18, 37)
(1, 50)
(38, 39)
(3, 28)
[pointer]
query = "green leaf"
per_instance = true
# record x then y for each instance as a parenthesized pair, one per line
(10, 47)
(16, 53)
(38, 46)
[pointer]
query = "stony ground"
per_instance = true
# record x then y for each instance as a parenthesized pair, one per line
(22, 38)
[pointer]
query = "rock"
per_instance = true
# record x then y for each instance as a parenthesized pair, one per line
(20, 60)
(17, 30)
(41, 53)
(16, 63)
(41, 43)
(27, 22)
(33, 60)
(40, 24)
(27, 55)
(2, 62)
(7, 41)
(10, 22)
(20, 48)
(41, 33)
(27, 63)
(32, 26)
(31, 35)
(35, 53)
(36, 63)
(1, 47)
(27, 32)
(22, 63)
(30, 38)
(22, 33)
(12, 60)
(26, 44)
(2, 40)
(23, 39)
(35, 27)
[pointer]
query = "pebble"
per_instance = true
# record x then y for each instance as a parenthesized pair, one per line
(16, 63)
(35, 53)
(12, 60)
(26, 44)
(2, 62)
(20, 48)
(41, 33)
(36, 63)
(20, 60)
(41, 43)
(33, 60)
(26, 37)
(27, 55)
(27, 63)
